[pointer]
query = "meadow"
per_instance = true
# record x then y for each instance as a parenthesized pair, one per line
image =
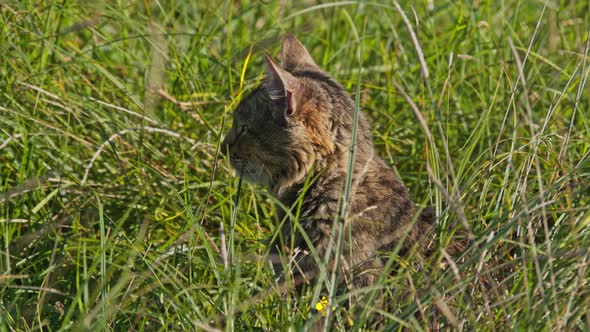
(118, 212)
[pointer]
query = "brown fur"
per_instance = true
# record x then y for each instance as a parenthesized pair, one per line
(299, 124)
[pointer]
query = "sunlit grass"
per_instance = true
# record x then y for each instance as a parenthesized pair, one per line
(113, 193)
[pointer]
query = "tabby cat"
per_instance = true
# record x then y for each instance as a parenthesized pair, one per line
(292, 135)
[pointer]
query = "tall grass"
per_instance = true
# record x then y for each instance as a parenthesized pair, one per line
(117, 209)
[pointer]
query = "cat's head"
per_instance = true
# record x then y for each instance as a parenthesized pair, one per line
(288, 123)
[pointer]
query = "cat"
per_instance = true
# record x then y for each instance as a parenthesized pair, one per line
(292, 135)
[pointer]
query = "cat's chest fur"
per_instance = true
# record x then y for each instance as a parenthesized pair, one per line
(379, 205)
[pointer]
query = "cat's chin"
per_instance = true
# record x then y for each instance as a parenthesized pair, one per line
(255, 179)
(247, 173)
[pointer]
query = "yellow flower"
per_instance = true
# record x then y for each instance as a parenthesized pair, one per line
(322, 306)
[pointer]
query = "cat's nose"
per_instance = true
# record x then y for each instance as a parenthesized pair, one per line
(227, 148)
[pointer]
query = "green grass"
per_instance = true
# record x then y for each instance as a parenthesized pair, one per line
(148, 239)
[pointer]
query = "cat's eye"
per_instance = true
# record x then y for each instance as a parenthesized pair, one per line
(243, 129)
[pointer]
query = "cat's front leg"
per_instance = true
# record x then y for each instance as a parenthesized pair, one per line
(317, 252)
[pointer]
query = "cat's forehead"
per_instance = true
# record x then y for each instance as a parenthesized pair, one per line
(251, 107)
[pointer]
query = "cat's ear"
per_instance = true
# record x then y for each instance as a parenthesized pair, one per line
(281, 86)
(295, 56)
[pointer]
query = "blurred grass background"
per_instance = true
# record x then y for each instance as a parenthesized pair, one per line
(113, 193)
